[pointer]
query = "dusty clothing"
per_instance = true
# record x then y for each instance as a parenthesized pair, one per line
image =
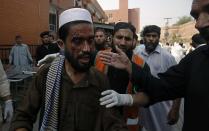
(79, 108)
(4, 83)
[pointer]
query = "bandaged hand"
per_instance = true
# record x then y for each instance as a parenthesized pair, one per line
(111, 98)
(47, 59)
(8, 110)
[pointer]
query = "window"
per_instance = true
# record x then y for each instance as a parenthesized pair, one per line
(110, 16)
(77, 3)
(53, 19)
(52, 22)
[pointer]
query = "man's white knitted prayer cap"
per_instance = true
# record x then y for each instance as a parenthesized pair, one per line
(74, 14)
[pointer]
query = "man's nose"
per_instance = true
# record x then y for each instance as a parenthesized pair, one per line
(202, 21)
(86, 46)
(122, 41)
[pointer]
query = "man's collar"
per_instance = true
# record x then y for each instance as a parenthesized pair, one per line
(18, 44)
(88, 80)
(206, 49)
(157, 50)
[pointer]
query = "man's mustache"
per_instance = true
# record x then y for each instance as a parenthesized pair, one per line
(84, 54)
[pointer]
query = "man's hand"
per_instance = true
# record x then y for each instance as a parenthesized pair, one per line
(8, 110)
(47, 59)
(111, 98)
(117, 60)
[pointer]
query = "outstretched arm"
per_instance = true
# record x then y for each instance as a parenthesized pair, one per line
(111, 98)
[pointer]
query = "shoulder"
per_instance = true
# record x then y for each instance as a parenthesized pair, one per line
(139, 49)
(165, 53)
(203, 50)
(96, 73)
(43, 70)
(25, 45)
(98, 78)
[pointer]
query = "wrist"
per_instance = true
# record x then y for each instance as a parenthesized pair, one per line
(129, 67)
(126, 99)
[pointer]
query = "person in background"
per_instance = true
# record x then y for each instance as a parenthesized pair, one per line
(100, 39)
(5, 94)
(160, 116)
(177, 51)
(188, 79)
(67, 91)
(50, 57)
(198, 41)
(46, 47)
(123, 37)
(52, 37)
(20, 54)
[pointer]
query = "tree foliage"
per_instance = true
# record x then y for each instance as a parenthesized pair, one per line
(182, 20)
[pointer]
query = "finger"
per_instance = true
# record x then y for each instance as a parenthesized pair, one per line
(104, 56)
(106, 61)
(111, 105)
(105, 98)
(106, 102)
(118, 50)
(107, 92)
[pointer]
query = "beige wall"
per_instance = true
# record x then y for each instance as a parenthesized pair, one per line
(184, 31)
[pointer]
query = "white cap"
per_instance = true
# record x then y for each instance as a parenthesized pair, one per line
(74, 14)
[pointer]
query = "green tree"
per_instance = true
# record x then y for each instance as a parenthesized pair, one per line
(182, 20)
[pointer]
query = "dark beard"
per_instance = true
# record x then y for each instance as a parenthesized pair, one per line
(150, 47)
(100, 46)
(74, 61)
(205, 33)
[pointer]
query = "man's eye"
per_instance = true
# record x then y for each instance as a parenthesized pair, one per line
(119, 37)
(90, 40)
(128, 39)
(77, 40)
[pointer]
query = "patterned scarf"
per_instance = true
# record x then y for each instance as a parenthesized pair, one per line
(50, 118)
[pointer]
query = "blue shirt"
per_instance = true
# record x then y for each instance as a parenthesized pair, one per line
(154, 118)
(159, 60)
(20, 55)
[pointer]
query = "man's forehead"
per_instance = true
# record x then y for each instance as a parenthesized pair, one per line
(126, 31)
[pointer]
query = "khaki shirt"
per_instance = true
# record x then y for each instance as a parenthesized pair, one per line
(79, 108)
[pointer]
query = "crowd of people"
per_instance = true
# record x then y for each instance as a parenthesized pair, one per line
(87, 83)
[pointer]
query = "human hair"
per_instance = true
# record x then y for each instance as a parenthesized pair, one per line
(18, 37)
(101, 30)
(44, 33)
(124, 25)
(151, 28)
(135, 36)
(198, 39)
(64, 30)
